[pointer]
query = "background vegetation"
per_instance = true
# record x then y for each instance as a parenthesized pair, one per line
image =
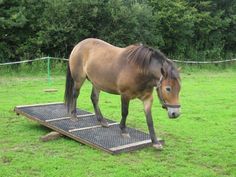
(183, 29)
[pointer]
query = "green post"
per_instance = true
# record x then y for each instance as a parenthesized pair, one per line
(49, 72)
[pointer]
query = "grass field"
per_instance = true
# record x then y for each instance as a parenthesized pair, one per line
(202, 142)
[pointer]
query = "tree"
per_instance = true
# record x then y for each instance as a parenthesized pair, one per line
(175, 20)
(192, 29)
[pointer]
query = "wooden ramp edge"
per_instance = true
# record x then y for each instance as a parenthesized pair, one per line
(85, 128)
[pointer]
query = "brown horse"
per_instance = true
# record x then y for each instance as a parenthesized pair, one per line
(131, 72)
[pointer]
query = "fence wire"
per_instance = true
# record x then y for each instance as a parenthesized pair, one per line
(65, 59)
(36, 59)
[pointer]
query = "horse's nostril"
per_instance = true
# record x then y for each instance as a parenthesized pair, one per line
(173, 114)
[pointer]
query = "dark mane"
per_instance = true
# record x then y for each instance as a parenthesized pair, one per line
(142, 55)
(171, 69)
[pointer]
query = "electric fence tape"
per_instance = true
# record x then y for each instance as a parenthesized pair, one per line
(64, 59)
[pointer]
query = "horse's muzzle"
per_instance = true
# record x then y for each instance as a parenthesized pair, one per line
(173, 113)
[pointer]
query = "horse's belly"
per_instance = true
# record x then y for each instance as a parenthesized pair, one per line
(103, 75)
(103, 81)
(112, 91)
(106, 87)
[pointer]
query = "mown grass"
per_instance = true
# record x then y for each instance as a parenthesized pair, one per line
(200, 143)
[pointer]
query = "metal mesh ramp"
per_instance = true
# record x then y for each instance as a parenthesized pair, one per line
(86, 129)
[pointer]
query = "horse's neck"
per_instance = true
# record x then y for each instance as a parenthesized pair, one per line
(155, 69)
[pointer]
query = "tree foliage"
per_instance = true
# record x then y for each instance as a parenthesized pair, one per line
(183, 29)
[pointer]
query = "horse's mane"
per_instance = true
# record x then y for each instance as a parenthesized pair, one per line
(142, 55)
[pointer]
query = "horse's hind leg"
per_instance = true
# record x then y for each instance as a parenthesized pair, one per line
(95, 99)
(125, 110)
(74, 102)
(76, 92)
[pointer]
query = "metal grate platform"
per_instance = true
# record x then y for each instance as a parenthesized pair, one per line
(85, 129)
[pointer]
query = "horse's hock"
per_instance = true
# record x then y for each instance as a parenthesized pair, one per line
(85, 129)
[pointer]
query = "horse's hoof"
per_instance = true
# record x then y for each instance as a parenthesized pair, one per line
(104, 123)
(125, 135)
(158, 146)
(73, 119)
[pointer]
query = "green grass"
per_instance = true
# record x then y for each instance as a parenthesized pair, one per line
(201, 142)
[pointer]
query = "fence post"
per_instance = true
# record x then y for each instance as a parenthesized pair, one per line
(49, 72)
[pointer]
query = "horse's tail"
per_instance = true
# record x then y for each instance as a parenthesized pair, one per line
(68, 96)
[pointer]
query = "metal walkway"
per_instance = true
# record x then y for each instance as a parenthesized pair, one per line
(85, 129)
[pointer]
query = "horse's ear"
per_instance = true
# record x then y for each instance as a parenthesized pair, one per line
(164, 74)
(165, 70)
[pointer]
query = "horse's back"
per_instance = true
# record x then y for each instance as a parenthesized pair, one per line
(91, 49)
(98, 61)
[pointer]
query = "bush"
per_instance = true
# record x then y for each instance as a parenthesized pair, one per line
(183, 29)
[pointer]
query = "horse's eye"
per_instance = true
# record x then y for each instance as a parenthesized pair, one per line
(168, 89)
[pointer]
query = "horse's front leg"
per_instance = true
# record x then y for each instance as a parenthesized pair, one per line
(124, 112)
(147, 108)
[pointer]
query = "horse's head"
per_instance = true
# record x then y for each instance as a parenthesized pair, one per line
(168, 88)
(155, 64)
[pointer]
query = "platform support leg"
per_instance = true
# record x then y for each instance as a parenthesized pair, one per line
(50, 136)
